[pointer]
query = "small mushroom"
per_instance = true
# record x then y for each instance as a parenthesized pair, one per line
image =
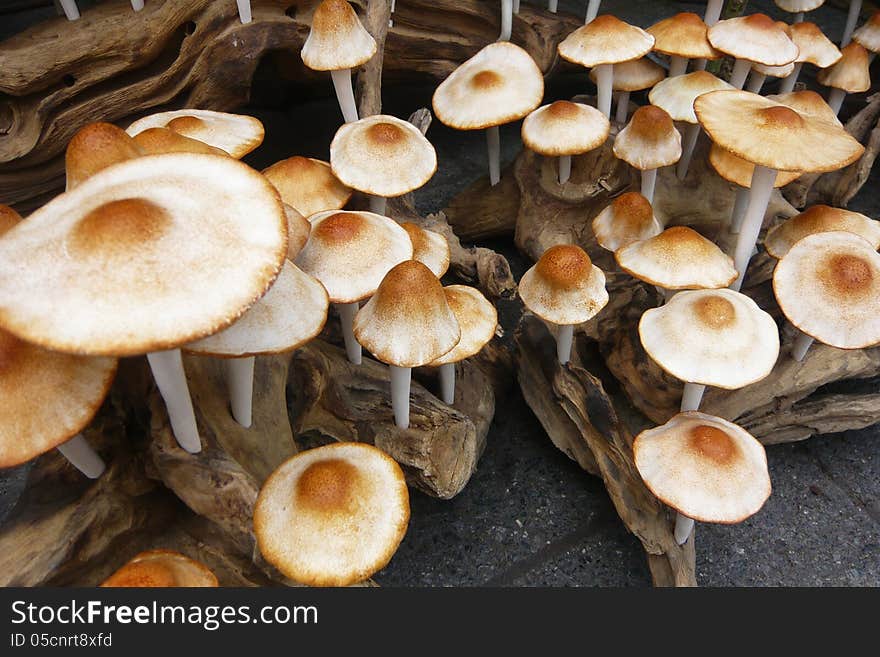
(820, 219)
(749, 39)
(683, 37)
(94, 147)
(634, 75)
(851, 74)
(798, 7)
(852, 19)
(429, 248)
(237, 134)
(161, 568)
(244, 11)
(308, 185)
(627, 219)
(704, 467)
(814, 48)
(868, 35)
(564, 288)
(649, 141)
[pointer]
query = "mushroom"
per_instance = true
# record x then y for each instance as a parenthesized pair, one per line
(288, 316)
(350, 253)
(715, 338)
(776, 138)
(628, 218)
(851, 74)
(808, 102)
(814, 48)
(682, 37)
(828, 287)
(798, 7)
(70, 9)
(236, 134)
(429, 248)
(161, 568)
(337, 42)
(868, 35)
(298, 231)
(563, 129)
(308, 185)
(382, 156)
(599, 44)
(564, 288)
(592, 10)
(704, 467)
(676, 97)
(155, 141)
(760, 73)
(634, 75)
(749, 39)
(407, 323)
(94, 147)
(500, 84)
(649, 141)
(820, 219)
(852, 18)
(127, 264)
(244, 11)
(333, 515)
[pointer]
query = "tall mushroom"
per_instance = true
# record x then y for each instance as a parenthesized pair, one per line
(798, 7)
(813, 48)
(236, 134)
(308, 185)
(634, 75)
(749, 39)
(161, 568)
(850, 75)
(628, 218)
(500, 84)
(337, 42)
(682, 37)
(649, 141)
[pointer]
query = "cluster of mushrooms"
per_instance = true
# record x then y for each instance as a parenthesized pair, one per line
(164, 242)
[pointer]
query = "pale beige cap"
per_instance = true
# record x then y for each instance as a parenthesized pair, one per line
(628, 218)
(161, 568)
(565, 128)
(298, 231)
(236, 134)
(429, 248)
(683, 35)
(337, 40)
(605, 40)
(807, 101)
(756, 37)
(308, 185)
(868, 35)
(815, 48)
(477, 318)
(820, 219)
(635, 75)
(795, 6)
(676, 95)
(739, 171)
(649, 140)
(852, 72)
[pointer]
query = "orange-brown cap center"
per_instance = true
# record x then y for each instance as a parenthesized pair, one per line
(118, 227)
(715, 311)
(564, 266)
(385, 134)
(486, 80)
(340, 228)
(185, 124)
(760, 22)
(410, 284)
(781, 117)
(327, 486)
(563, 109)
(651, 122)
(143, 574)
(713, 444)
(416, 236)
(333, 15)
(632, 210)
(848, 275)
(10, 348)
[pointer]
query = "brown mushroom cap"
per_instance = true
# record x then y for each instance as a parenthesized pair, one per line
(739, 171)
(337, 40)
(713, 337)
(676, 95)
(429, 248)
(94, 147)
(605, 40)
(161, 568)
(351, 252)
(868, 35)
(820, 219)
(333, 515)
(683, 35)
(298, 230)
(382, 155)
(756, 37)
(635, 75)
(128, 263)
(705, 467)
(477, 318)
(773, 135)
(649, 140)
(814, 47)
(565, 128)
(628, 218)
(852, 72)
(236, 134)
(8, 218)
(500, 84)
(154, 141)
(828, 286)
(408, 321)
(564, 287)
(308, 185)
(808, 102)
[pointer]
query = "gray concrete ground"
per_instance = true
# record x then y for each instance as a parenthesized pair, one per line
(530, 516)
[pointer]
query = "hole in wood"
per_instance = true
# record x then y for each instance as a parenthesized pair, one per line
(290, 12)
(189, 27)
(7, 118)
(69, 80)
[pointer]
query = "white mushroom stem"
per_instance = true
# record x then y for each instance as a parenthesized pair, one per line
(506, 19)
(798, 17)
(855, 9)
(70, 9)
(622, 107)
(83, 457)
(677, 66)
(493, 143)
(552, 5)
(378, 204)
(240, 381)
(684, 526)
(692, 396)
(649, 181)
(167, 367)
(244, 10)
(801, 346)
(447, 383)
(400, 382)
(691, 134)
(756, 81)
(763, 179)
(788, 82)
(604, 81)
(592, 10)
(713, 12)
(835, 99)
(739, 210)
(515, 6)
(740, 72)
(137, 5)
(347, 311)
(700, 64)
(564, 168)
(345, 94)
(564, 340)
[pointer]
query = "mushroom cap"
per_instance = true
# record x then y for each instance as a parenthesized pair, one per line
(809, 102)
(605, 40)
(94, 147)
(161, 568)
(564, 287)
(351, 252)
(852, 72)
(237, 134)
(337, 40)
(382, 155)
(705, 467)
(155, 141)
(676, 95)
(739, 171)
(477, 318)
(679, 258)
(756, 37)
(774, 71)
(815, 48)
(429, 248)
(820, 219)
(8, 218)
(796, 6)
(500, 84)
(298, 230)
(408, 321)
(717, 338)
(635, 75)
(333, 515)
(628, 218)
(828, 286)
(565, 128)
(868, 35)
(128, 262)
(649, 140)
(773, 135)
(289, 315)
(308, 185)
(683, 35)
